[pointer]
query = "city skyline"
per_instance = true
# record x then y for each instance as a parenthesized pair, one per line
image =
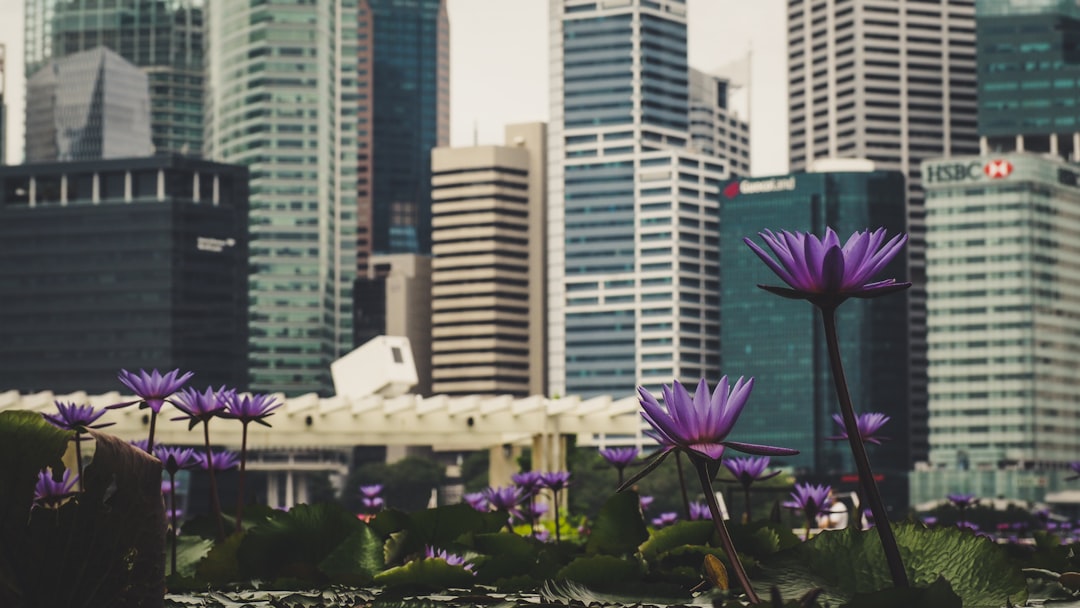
(489, 90)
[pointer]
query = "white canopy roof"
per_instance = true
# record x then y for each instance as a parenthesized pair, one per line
(308, 421)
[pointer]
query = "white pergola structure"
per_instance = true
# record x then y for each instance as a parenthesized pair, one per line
(500, 424)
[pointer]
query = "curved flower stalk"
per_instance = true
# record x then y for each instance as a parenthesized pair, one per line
(203, 407)
(174, 460)
(247, 409)
(746, 471)
(812, 500)
(826, 273)
(620, 458)
(77, 418)
(153, 389)
(698, 426)
(556, 481)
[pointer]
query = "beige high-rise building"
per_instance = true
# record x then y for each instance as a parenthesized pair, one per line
(488, 299)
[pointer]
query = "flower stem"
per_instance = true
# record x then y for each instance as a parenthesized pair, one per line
(150, 437)
(78, 458)
(214, 500)
(557, 538)
(746, 496)
(172, 517)
(682, 485)
(858, 451)
(240, 480)
(721, 529)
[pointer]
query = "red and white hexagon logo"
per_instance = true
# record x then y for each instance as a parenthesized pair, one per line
(997, 169)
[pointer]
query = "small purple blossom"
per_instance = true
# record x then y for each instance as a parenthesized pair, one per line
(153, 389)
(450, 558)
(223, 460)
(176, 458)
(532, 511)
(665, 519)
(962, 501)
(140, 443)
(869, 424)
(78, 418)
(812, 500)
(504, 498)
(476, 500)
(620, 458)
(374, 503)
(528, 481)
(49, 492)
(250, 408)
(645, 502)
(371, 491)
(748, 470)
(699, 511)
(700, 424)
(826, 273)
(555, 480)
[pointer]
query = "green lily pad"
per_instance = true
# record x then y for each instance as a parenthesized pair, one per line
(619, 528)
(356, 560)
(428, 574)
(849, 562)
(600, 571)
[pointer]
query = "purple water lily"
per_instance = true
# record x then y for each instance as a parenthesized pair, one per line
(204, 407)
(372, 490)
(699, 425)
(78, 418)
(49, 492)
(450, 558)
(620, 458)
(869, 424)
(556, 481)
(826, 273)
(153, 389)
(505, 499)
(222, 460)
(812, 500)
(645, 502)
(372, 504)
(746, 471)
(477, 501)
(665, 519)
(175, 459)
(699, 511)
(962, 501)
(247, 409)
(528, 481)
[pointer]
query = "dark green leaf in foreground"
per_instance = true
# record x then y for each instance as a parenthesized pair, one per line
(619, 528)
(504, 556)
(292, 544)
(938, 595)
(190, 550)
(678, 535)
(356, 560)
(603, 572)
(849, 562)
(427, 574)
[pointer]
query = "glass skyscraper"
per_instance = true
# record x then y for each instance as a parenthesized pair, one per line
(89, 105)
(282, 99)
(1028, 58)
(162, 37)
(779, 341)
(404, 79)
(632, 217)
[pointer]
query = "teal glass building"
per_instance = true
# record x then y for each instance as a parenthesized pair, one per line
(779, 341)
(282, 100)
(1028, 59)
(164, 38)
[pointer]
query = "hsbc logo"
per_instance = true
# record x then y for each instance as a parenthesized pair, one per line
(997, 169)
(947, 172)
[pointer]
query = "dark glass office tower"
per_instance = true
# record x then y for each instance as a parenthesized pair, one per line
(162, 37)
(404, 65)
(1028, 59)
(778, 341)
(127, 263)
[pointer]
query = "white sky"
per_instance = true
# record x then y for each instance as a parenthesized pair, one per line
(498, 67)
